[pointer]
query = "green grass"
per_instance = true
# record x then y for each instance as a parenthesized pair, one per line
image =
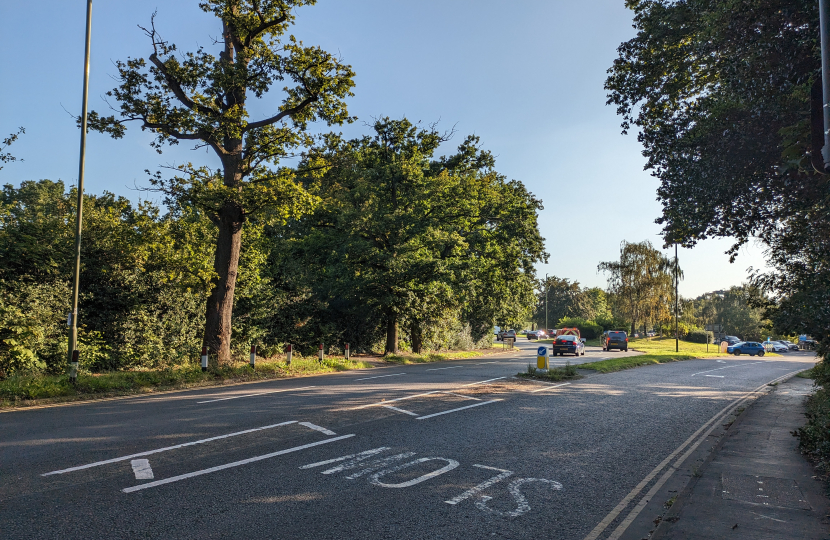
(807, 374)
(23, 389)
(425, 358)
(658, 351)
(568, 372)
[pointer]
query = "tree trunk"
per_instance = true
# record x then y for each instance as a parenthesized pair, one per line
(416, 336)
(226, 265)
(391, 333)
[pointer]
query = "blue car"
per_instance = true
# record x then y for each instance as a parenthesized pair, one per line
(751, 348)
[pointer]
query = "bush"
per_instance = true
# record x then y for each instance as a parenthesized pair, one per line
(700, 336)
(587, 329)
(815, 435)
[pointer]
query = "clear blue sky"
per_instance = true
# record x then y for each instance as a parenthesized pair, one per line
(526, 76)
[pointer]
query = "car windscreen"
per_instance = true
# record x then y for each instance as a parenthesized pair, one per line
(616, 335)
(565, 338)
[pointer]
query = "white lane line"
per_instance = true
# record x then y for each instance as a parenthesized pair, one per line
(382, 403)
(461, 395)
(483, 363)
(254, 395)
(166, 448)
(315, 427)
(234, 464)
(380, 376)
(458, 409)
(548, 387)
(410, 413)
(727, 367)
(142, 469)
(440, 368)
(718, 376)
(484, 382)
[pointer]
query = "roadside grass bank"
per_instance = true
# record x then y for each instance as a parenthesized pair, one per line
(657, 351)
(424, 358)
(38, 389)
(30, 389)
(565, 373)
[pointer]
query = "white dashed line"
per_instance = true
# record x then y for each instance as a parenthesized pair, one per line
(440, 368)
(234, 464)
(484, 382)
(315, 427)
(165, 449)
(410, 413)
(461, 395)
(254, 395)
(727, 367)
(380, 376)
(549, 387)
(383, 403)
(458, 409)
(718, 376)
(142, 469)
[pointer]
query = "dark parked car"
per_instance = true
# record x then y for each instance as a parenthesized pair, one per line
(536, 334)
(751, 348)
(568, 344)
(614, 339)
(732, 340)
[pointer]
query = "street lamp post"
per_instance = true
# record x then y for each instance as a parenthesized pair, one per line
(546, 303)
(73, 316)
(824, 26)
(676, 303)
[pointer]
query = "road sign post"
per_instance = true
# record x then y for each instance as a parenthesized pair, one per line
(542, 356)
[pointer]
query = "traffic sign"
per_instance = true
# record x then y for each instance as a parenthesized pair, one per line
(541, 351)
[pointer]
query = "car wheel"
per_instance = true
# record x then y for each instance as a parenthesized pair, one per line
(761, 353)
(736, 353)
(625, 350)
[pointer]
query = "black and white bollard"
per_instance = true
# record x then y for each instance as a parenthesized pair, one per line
(204, 358)
(253, 356)
(288, 357)
(73, 371)
(347, 351)
(321, 353)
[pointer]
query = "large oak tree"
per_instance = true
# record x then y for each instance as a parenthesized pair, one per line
(199, 97)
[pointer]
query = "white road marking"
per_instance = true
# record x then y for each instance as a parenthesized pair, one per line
(254, 395)
(482, 363)
(718, 376)
(484, 382)
(461, 395)
(410, 413)
(165, 449)
(458, 409)
(234, 464)
(772, 518)
(721, 361)
(521, 502)
(318, 428)
(142, 469)
(549, 387)
(380, 376)
(440, 368)
(383, 403)
(727, 367)
(375, 478)
(365, 454)
(482, 486)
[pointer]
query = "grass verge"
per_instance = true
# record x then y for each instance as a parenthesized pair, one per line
(22, 390)
(814, 436)
(438, 357)
(566, 373)
(629, 362)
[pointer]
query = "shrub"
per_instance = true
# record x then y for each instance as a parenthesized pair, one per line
(587, 329)
(700, 336)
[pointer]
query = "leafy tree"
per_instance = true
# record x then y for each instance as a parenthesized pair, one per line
(207, 99)
(7, 157)
(408, 239)
(642, 282)
(559, 298)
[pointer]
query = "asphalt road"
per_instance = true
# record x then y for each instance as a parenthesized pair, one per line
(439, 451)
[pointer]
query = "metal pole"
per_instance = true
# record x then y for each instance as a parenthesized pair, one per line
(824, 20)
(73, 330)
(546, 305)
(676, 305)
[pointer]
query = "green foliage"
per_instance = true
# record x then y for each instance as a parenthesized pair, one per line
(814, 436)
(587, 329)
(700, 336)
(7, 157)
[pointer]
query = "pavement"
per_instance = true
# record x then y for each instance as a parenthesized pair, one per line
(756, 486)
(457, 449)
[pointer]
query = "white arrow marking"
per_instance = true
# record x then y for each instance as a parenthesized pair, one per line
(142, 470)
